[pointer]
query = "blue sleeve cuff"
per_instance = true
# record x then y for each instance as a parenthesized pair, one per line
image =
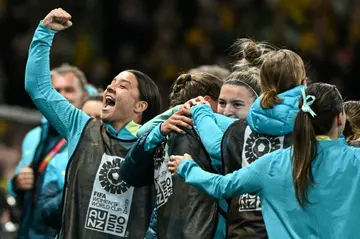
(203, 109)
(154, 139)
(45, 29)
(150, 125)
(184, 165)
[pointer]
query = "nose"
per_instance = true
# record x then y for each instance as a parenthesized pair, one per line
(110, 88)
(228, 111)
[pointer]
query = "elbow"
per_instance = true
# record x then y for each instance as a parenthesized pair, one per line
(28, 87)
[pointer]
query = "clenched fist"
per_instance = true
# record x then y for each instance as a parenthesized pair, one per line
(57, 20)
(25, 179)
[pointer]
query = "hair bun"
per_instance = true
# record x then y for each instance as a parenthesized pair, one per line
(250, 52)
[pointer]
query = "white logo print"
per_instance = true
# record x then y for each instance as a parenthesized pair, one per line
(162, 178)
(255, 146)
(110, 202)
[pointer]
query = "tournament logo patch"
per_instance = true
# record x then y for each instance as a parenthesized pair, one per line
(110, 179)
(111, 198)
(255, 146)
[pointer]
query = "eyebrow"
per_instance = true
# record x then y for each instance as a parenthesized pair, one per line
(122, 80)
(237, 101)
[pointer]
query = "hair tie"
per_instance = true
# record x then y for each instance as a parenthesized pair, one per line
(307, 102)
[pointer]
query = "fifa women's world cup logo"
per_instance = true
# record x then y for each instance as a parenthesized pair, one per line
(110, 178)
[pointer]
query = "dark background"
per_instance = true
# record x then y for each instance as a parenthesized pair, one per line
(165, 38)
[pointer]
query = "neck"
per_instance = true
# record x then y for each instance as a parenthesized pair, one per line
(334, 134)
(119, 124)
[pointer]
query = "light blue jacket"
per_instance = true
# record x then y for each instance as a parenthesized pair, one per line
(275, 121)
(41, 221)
(333, 211)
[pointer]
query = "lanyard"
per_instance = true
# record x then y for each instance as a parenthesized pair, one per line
(51, 155)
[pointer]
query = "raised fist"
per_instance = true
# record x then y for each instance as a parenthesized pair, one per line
(57, 20)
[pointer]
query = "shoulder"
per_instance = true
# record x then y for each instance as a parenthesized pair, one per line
(32, 138)
(275, 161)
(33, 132)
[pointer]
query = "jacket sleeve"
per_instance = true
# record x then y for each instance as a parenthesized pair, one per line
(49, 204)
(157, 120)
(249, 179)
(151, 233)
(27, 145)
(61, 114)
(138, 166)
(207, 127)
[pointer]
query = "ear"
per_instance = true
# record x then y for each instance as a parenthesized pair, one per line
(341, 119)
(84, 96)
(304, 82)
(140, 107)
(207, 98)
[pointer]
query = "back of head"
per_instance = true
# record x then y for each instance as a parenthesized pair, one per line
(246, 70)
(352, 127)
(188, 86)
(249, 53)
(218, 71)
(95, 97)
(249, 78)
(67, 68)
(318, 108)
(149, 92)
(280, 71)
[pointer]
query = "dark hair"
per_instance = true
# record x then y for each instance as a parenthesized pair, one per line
(95, 97)
(352, 127)
(281, 71)
(67, 68)
(188, 86)
(149, 92)
(327, 105)
(248, 78)
(218, 71)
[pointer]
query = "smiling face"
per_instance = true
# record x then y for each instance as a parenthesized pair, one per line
(235, 101)
(121, 99)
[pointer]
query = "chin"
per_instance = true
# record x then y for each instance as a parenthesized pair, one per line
(106, 116)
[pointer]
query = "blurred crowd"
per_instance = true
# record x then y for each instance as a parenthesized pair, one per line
(165, 38)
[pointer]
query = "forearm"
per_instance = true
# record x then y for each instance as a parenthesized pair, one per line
(207, 129)
(245, 180)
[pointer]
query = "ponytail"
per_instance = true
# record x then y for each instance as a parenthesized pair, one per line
(319, 106)
(303, 154)
(269, 99)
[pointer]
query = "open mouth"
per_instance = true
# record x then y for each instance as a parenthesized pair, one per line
(109, 102)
